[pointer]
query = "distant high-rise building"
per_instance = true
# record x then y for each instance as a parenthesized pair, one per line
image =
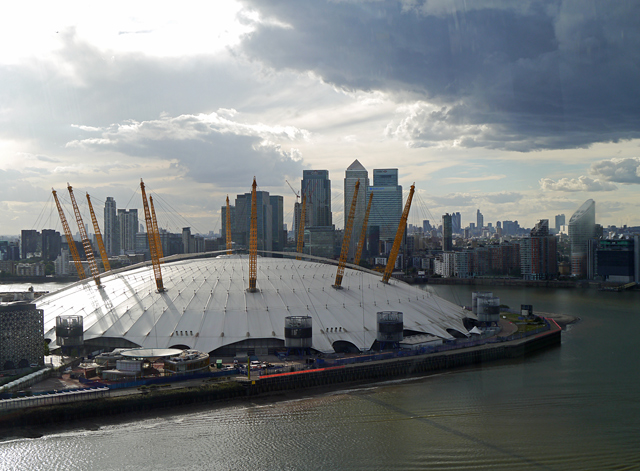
(538, 253)
(386, 206)
(354, 173)
(30, 243)
(316, 186)
(560, 221)
(426, 226)
(479, 220)
(267, 215)
(128, 228)
(277, 223)
(447, 241)
(111, 227)
(51, 244)
(456, 223)
(582, 228)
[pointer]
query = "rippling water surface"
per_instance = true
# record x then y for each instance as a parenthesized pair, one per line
(568, 408)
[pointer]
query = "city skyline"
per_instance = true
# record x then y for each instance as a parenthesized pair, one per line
(524, 121)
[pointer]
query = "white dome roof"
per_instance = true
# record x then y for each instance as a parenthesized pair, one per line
(206, 304)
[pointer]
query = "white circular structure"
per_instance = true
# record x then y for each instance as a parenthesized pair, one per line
(206, 306)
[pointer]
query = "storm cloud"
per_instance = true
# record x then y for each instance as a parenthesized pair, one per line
(501, 75)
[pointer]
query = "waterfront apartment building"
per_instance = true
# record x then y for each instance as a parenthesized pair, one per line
(582, 228)
(538, 253)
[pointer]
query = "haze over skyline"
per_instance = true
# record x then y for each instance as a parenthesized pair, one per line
(522, 109)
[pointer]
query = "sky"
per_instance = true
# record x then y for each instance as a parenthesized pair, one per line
(523, 110)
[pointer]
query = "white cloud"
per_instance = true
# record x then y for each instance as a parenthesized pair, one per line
(618, 170)
(582, 183)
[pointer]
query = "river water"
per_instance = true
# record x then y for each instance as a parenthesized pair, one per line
(572, 407)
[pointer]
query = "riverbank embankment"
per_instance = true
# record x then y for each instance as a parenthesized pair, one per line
(269, 385)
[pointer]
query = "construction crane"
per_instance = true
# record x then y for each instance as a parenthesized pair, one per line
(88, 250)
(156, 232)
(294, 191)
(96, 229)
(363, 232)
(155, 260)
(346, 240)
(228, 224)
(398, 240)
(67, 232)
(253, 241)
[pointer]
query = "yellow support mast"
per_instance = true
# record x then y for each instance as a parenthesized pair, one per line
(398, 240)
(363, 233)
(346, 240)
(72, 245)
(228, 224)
(253, 241)
(157, 273)
(156, 231)
(88, 250)
(96, 228)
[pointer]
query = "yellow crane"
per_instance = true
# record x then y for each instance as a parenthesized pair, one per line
(156, 231)
(398, 240)
(363, 232)
(253, 240)
(346, 240)
(67, 232)
(157, 273)
(96, 229)
(88, 250)
(228, 224)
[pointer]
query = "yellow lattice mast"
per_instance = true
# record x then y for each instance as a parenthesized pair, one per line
(96, 228)
(253, 240)
(228, 224)
(398, 240)
(156, 231)
(363, 232)
(346, 240)
(67, 232)
(157, 273)
(88, 250)
(303, 215)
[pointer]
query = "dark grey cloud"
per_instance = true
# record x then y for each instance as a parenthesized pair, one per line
(618, 170)
(576, 184)
(503, 75)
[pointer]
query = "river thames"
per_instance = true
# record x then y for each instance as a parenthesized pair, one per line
(572, 407)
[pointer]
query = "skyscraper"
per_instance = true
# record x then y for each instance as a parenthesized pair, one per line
(447, 240)
(354, 173)
(456, 223)
(128, 228)
(560, 221)
(316, 186)
(582, 227)
(111, 227)
(538, 253)
(386, 206)
(479, 221)
(269, 213)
